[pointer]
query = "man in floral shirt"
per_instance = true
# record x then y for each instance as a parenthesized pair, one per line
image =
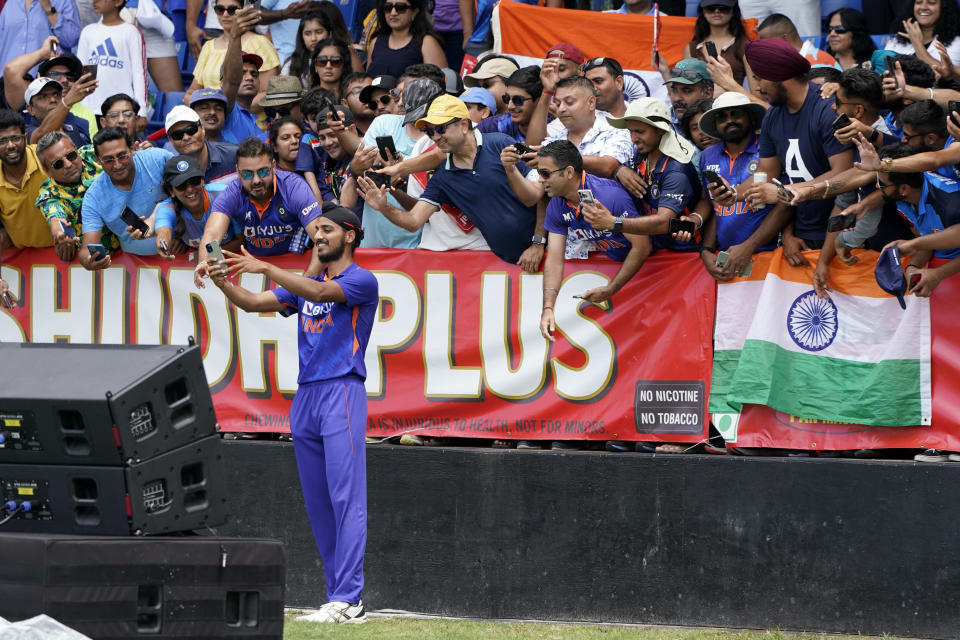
(70, 172)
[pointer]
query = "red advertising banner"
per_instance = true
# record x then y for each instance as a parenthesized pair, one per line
(761, 426)
(456, 349)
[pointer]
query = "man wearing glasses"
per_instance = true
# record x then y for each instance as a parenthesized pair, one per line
(276, 209)
(121, 110)
(70, 173)
(520, 95)
(188, 138)
(381, 96)
(482, 177)
(21, 225)
(131, 179)
(282, 98)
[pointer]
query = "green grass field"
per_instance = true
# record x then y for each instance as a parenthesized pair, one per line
(417, 629)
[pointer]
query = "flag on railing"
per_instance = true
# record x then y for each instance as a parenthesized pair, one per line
(857, 357)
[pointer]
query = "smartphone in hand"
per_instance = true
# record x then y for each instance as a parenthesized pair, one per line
(586, 197)
(782, 190)
(677, 225)
(89, 69)
(384, 144)
(522, 148)
(841, 121)
(133, 220)
(379, 179)
(67, 229)
(7, 300)
(713, 177)
(711, 49)
(914, 281)
(97, 251)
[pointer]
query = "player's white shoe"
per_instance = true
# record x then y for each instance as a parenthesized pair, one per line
(338, 613)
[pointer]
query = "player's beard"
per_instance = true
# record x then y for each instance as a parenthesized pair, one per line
(332, 253)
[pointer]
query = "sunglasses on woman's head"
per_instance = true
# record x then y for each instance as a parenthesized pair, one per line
(219, 9)
(385, 99)
(263, 173)
(399, 7)
(189, 130)
(58, 164)
(190, 182)
(274, 112)
(839, 30)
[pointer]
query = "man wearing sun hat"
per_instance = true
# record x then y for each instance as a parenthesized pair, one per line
(662, 159)
(493, 193)
(491, 74)
(736, 228)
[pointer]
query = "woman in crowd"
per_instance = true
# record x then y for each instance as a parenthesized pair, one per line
(402, 37)
(924, 23)
(848, 39)
(310, 32)
(206, 75)
(328, 63)
(720, 22)
(285, 134)
(179, 220)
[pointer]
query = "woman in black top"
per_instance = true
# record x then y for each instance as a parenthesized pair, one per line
(402, 37)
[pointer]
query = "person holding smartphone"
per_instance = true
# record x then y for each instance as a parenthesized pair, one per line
(719, 33)
(336, 310)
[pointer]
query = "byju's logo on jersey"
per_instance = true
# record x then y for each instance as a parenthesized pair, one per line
(105, 55)
(812, 322)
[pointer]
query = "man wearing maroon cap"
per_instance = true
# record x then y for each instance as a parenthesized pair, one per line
(796, 143)
(569, 58)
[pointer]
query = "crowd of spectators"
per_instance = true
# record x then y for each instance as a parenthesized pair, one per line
(287, 110)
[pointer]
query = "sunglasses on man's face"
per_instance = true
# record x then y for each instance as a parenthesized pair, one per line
(332, 61)
(439, 130)
(385, 99)
(71, 157)
(276, 112)
(189, 130)
(220, 9)
(190, 182)
(61, 75)
(516, 100)
(263, 173)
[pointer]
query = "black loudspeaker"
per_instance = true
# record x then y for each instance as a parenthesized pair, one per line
(100, 404)
(125, 588)
(175, 491)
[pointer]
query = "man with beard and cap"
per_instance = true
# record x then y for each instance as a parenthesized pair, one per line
(736, 228)
(689, 81)
(796, 143)
(21, 224)
(662, 159)
(188, 137)
(417, 96)
(328, 419)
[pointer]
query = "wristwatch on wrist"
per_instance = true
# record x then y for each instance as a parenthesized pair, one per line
(538, 240)
(52, 11)
(618, 224)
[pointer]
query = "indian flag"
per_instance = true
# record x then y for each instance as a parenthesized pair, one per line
(856, 358)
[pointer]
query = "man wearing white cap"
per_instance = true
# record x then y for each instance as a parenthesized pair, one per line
(130, 178)
(49, 109)
(737, 228)
(663, 160)
(188, 138)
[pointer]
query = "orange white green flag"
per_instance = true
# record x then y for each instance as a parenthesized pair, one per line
(857, 357)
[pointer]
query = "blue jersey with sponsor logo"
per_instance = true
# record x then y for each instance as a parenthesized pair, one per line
(938, 209)
(567, 220)
(804, 142)
(279, 227)
(332, 336)
(735, 223)
(671, 184)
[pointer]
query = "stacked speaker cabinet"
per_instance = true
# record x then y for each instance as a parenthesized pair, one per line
(107, 440)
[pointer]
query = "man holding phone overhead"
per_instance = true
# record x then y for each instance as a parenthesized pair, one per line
(573, 191)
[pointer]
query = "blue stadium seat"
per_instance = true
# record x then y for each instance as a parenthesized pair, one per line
(172, 99)
(879, 40)
(156, 120)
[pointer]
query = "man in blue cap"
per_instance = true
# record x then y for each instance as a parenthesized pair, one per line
(689, 81)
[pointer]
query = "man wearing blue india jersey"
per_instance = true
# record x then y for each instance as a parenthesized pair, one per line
(561, 173)
(328, 419)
